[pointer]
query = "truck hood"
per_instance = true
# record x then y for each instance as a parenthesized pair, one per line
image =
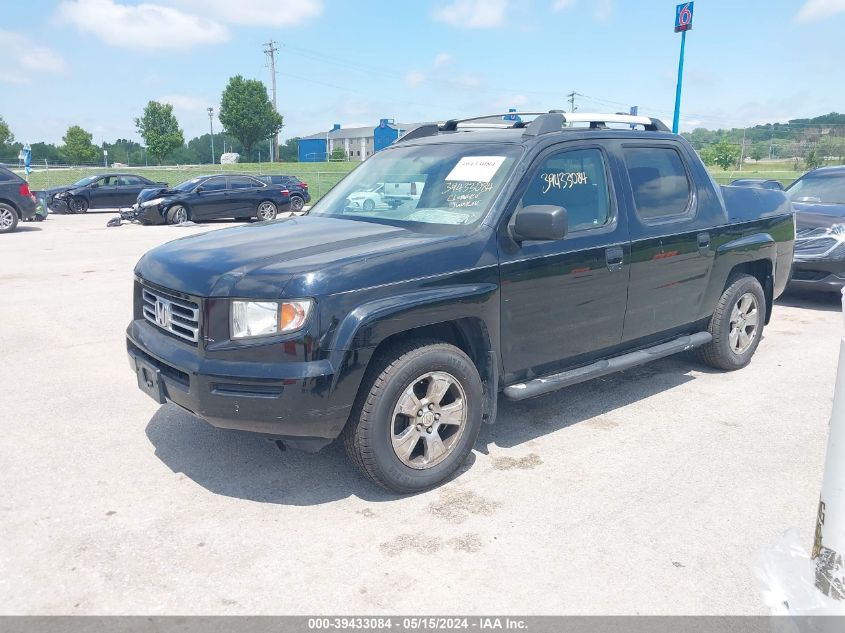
(809, 215)
(258, 261)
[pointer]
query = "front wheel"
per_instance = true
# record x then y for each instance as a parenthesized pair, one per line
(736, 325)
(177, 214)
(266, 211)
(417, 416)
(78, 205)
(8, 218)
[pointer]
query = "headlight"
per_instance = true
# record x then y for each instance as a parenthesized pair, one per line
(152, 203)
(265, 318)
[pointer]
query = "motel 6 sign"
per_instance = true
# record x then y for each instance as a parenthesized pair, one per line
(683, 17)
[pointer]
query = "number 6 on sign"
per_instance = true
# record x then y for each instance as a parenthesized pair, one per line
(683, 17)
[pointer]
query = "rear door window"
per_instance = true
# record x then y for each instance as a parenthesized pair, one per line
(659, 182)
(243, 182)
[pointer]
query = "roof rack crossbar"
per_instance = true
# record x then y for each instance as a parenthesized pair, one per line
(544, 123)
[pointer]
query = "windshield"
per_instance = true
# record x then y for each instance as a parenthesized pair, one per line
(188, 184)
(449, 184)
(85, 181)
(829, 190)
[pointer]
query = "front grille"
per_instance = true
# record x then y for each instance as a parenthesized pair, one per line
(180, 317)
(815, 246)
(809, 275)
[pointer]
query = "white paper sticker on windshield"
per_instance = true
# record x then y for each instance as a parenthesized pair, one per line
(476, 168)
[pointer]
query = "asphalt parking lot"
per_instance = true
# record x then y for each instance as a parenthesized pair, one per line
(645, 492)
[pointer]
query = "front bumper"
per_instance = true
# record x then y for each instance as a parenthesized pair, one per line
(819, 275)
(288, 400)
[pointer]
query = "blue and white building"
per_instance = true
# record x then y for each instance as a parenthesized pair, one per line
(357, 143)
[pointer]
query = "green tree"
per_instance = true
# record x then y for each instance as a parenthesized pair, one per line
(78, 147)
(160, 130)
(338, 154)
(289, 152)
(758, 151)
(6, 136)
(247, 114)
(707, 155)
(725, 154)
(812, 160)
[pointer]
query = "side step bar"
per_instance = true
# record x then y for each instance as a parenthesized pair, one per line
(538, 386)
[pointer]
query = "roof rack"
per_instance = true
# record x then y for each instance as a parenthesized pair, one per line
(544, 123)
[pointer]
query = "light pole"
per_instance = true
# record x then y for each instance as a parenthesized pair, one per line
(211, 126)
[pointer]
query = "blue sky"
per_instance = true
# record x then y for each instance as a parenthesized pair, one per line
(97, 62)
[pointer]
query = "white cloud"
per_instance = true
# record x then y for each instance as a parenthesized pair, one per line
(473, 14)
(258, 12)
(442, 59)
(815, 10)
(561, 5)
(24, 58)
(141, 27)
(414, 78)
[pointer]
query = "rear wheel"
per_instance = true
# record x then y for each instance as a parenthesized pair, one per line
(78, 204)
(736, 325)
(417, 416)
(266, 210)
(296, 203)
(8, 218)
(177, 214)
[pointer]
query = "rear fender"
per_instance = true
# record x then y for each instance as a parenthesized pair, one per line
(754, 254)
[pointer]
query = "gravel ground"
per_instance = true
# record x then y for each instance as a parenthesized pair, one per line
(644, 492)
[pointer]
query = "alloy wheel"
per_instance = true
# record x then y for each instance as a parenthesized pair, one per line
(744, 324)
(7, 218)
(266, 211)
(428, 420)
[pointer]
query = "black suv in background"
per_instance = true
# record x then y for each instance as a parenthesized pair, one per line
(16, 200)
(299, 195)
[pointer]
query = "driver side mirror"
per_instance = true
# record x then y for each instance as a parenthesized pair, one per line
(94, 185)
(198, 189)
(540, 222)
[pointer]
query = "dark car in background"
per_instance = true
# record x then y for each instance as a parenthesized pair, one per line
(299, 195)
(16, 200)
(101, 191)
(757, 183)
(818, 198)
(212, 197)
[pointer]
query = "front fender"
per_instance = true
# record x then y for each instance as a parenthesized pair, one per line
(372, 322)
(354, 340)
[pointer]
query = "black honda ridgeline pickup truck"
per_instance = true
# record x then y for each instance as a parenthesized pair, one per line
(534, 256)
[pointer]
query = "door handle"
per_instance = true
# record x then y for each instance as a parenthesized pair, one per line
(614, 257)
(704, 242)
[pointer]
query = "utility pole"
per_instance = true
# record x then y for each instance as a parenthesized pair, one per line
(572, 95)
(742, 150)
(270, 49)
(211, 127)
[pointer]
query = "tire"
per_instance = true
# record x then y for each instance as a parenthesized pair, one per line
(736, 325)
(8, 218)
(266, 210)
(78, 204)
(296, 203)
(177, 214)
(377, 422)
(368, 205)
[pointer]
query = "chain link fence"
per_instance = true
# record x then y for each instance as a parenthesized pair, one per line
(320, 176)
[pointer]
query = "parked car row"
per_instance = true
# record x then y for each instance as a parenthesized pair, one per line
(214, 196)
